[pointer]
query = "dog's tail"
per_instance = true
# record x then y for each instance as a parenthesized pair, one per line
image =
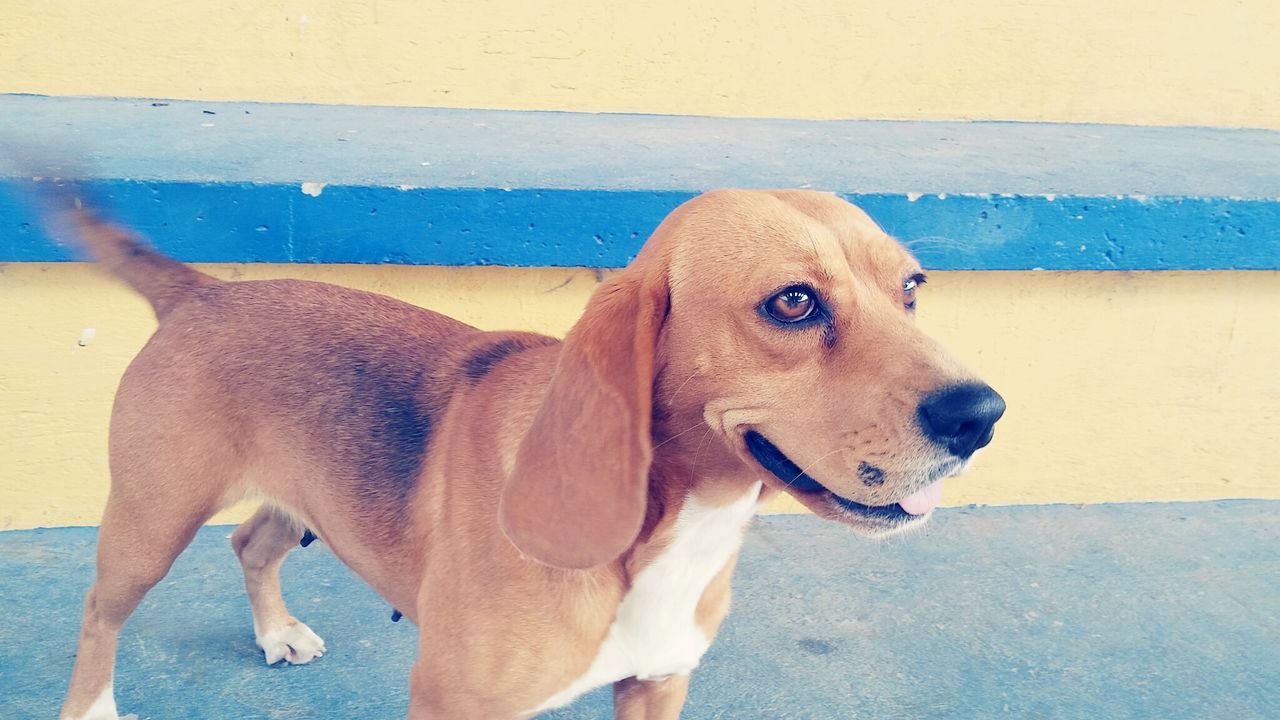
(163, 281)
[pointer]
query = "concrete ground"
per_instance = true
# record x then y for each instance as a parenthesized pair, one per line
(1115, 611)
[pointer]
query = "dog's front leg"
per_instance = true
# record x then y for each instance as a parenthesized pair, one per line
(433, 695)
(650, 699)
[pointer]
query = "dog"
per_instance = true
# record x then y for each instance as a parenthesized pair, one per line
(554, 516)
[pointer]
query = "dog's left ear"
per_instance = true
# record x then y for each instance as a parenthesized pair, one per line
(577, 495)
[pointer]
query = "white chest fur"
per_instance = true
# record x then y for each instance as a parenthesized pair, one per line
(655, 633)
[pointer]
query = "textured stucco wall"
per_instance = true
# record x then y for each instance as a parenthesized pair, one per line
(1181, 62)
(1122, 386)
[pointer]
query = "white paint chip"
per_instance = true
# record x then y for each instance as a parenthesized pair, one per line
(914, 196)
(313, 188)
(86, 336)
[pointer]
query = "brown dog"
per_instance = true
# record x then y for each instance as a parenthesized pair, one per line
(554, 516)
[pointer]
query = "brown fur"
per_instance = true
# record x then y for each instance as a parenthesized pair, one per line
(501, 488)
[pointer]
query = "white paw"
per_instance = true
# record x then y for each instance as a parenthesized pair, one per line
(104, 708)
(294, 643)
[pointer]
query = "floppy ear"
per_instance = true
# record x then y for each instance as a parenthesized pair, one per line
(576, 498)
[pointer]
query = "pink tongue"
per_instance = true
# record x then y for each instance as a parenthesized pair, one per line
(922, 501)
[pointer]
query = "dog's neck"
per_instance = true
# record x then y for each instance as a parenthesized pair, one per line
(697, 468)
(691, 459)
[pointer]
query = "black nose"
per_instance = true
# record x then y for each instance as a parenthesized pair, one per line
(961, 418)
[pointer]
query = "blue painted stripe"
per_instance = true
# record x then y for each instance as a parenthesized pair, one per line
(200, 222)
(222, 182)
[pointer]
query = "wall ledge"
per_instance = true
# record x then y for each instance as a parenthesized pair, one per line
(255, 182)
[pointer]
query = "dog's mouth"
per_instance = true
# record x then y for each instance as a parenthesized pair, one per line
(877, 518)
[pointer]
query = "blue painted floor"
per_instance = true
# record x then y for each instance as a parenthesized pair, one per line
(1117, 611)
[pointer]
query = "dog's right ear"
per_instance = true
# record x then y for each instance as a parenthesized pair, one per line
(577, 495)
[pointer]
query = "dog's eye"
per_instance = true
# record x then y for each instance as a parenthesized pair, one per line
(792, 305)
(909, 290)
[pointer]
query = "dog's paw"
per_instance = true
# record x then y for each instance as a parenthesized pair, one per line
(104, 708)
(294, 643)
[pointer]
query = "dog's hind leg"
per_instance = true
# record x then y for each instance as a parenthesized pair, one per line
(650, 699)
(262, 543)
(137, 543)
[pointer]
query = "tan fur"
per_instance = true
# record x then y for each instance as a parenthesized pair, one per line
(501, 488)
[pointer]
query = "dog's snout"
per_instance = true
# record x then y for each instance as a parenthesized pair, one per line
(961, 418)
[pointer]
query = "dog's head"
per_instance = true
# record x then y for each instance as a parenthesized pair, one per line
(765, 335)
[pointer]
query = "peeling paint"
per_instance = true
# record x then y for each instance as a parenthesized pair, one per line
(313, 188)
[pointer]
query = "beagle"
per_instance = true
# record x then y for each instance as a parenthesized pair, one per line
(554, 516)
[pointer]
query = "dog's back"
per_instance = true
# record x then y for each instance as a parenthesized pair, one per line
(307, 388)
(320, 399)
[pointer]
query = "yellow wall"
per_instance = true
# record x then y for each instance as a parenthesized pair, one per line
(1148, 386)
(1198, 62)
(1121, 386)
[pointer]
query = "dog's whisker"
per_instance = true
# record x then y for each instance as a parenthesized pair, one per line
(805, 470)
(936, 242)
(686, 431)
(693, 469)
(753, 469)
(676, 394)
